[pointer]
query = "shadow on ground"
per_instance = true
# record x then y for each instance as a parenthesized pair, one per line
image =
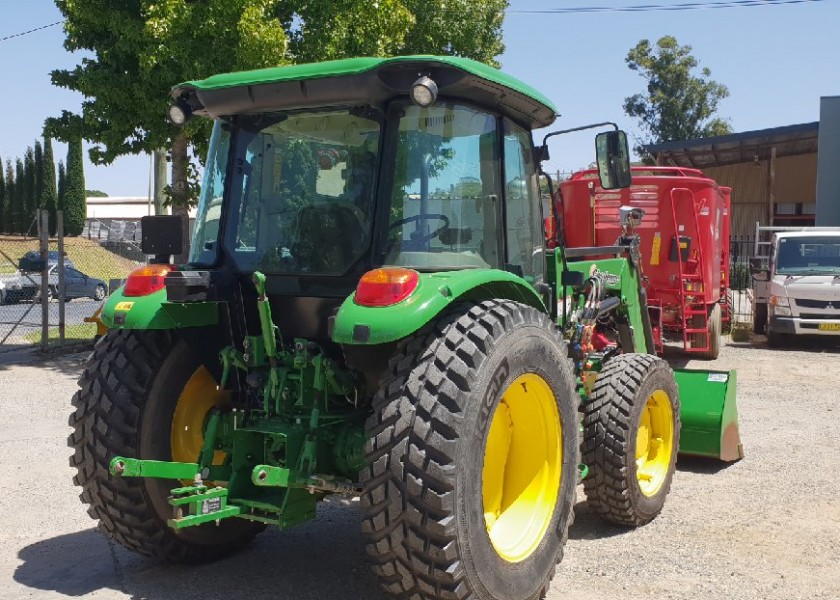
(589, 526)
(322, 560)
(68, 360)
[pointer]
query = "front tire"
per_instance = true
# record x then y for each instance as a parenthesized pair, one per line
(760, 318)
(473, 453)
(126, 406)
(631, 437)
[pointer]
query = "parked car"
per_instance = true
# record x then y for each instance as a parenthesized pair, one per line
(27, 285)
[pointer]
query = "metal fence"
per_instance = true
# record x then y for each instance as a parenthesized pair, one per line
(51, 288)
(741, 250)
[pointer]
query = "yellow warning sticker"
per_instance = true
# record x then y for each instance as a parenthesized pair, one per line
(126, 306)
(654, 253)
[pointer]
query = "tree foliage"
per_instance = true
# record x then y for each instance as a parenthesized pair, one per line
(62, 181)
(677, 104)
(49, 197)
(75, 204)
(2, 198)
(140, 49)
(29, 186)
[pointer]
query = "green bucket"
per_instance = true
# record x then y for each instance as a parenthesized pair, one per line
(709, 414)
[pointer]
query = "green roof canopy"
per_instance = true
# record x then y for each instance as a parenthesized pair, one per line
(364, 80)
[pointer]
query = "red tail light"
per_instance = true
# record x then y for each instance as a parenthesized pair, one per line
(143, 281)
(385, 287)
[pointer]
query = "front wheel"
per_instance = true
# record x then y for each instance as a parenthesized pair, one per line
(473, 452)
(99, 293)
(630, 441)
(145, 395)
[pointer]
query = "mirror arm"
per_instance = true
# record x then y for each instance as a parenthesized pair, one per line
(581, 128)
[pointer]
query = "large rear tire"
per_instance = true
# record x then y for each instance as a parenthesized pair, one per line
(137, 386)
(473, 452)
(630, 440)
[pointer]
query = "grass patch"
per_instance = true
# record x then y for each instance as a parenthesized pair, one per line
(87, 255)
(72, 333)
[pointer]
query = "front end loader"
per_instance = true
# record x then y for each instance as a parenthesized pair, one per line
(369, 309)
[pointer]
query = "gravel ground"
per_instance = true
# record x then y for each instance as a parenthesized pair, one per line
(767, 527)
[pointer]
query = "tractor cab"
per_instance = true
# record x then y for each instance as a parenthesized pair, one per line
(423, 163)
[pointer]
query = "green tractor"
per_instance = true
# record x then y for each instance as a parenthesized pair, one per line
(370, 309)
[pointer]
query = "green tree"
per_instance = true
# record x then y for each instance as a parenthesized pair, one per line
(29, 186)
(677, 104)
(49, 197)
(75, 204)
(9, 209)
(62, 184)
(2, 198)
(137, 51)
(95, 194)
(19, 208)
(39, 174)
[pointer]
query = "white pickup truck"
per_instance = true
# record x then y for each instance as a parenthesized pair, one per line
(796, 282)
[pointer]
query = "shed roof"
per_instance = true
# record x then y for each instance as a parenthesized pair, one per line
(737, 148)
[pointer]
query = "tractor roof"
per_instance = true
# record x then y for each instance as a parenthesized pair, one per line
(355, 81)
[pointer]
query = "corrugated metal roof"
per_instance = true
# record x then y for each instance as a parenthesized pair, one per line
(737, 148)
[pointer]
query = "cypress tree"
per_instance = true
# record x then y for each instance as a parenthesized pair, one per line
(2, 198)
(8, 213)
(75, 203)
(20, 199)
(62, 180)
(30, 200)
(49, 197)
(39, 173)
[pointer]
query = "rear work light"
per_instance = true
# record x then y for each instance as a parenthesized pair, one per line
(385, 287)
(143, 281)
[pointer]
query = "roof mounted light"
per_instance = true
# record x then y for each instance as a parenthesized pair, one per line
(424, 91)
(180, 112)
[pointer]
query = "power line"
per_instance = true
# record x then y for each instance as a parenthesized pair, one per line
(662, 7)
(22, 33)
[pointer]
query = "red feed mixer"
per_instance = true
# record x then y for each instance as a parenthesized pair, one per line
(684, 244)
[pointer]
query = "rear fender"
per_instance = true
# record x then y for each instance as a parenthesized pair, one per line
(368, 326)
(154, 312)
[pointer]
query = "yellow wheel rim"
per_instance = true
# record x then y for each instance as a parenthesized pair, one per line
(197, 398)
(654, 443)
(523, 465)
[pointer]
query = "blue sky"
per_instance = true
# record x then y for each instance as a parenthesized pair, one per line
(776, 60)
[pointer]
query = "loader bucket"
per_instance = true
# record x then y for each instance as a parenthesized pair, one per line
(709, 414)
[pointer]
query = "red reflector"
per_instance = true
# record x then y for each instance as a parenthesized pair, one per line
(384, 287)
(143, 281)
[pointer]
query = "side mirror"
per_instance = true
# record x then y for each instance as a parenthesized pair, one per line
(162, 236)
(613, 157)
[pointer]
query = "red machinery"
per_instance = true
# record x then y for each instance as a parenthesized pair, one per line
(684, 243)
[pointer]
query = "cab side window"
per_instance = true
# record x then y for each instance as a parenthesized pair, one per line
(525, 246)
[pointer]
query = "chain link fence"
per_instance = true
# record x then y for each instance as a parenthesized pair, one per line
(52, 288)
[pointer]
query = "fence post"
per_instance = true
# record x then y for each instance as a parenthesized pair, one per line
(59, 232)
(43, 220)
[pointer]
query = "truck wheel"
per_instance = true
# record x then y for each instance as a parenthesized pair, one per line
(630, 440)
(778, 340)
(760, 318)
(473, 452)
(715, 320)
(145, 395)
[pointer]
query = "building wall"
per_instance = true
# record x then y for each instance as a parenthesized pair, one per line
(795, 184)
(828, 209)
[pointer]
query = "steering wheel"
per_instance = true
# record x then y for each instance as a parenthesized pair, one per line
(428, 237)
